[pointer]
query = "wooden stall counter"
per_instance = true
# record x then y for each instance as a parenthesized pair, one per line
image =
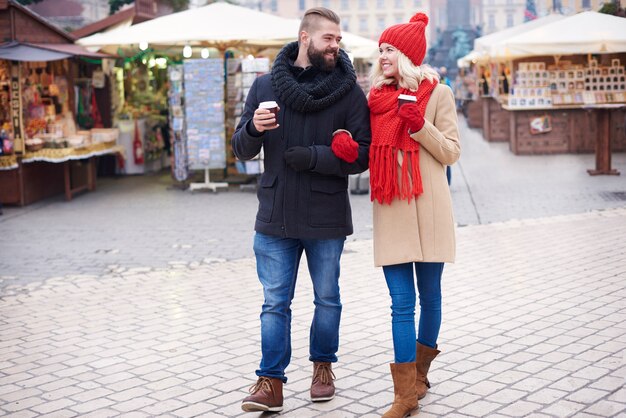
(495, 121)
(474, 113)
(569, 129)
(38, 175)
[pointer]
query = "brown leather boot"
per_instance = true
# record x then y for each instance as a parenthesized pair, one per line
(266, 395)
(424, 355)
(405, 397)
(322, 386)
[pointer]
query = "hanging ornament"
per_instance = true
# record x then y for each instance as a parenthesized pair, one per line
(137, 146)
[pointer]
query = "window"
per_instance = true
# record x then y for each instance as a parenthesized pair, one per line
(345, 23)
(362, 24)
(362, 4)
(509, 20)
(491, 22)
(380, 23)
(344, 5)
(326, 3)
(399, 19)
(274, 5)
(380, 4)
(302, 5)
(399, 4)
(586, 4)
(417, 3)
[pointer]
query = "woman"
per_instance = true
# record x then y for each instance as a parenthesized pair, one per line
(413, 221)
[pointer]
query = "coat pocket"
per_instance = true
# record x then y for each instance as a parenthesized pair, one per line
(329, 202)
(266, 194)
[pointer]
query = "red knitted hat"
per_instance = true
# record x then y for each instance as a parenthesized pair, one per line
(409, 38)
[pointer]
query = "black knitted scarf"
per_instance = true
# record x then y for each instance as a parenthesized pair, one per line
(327, 87)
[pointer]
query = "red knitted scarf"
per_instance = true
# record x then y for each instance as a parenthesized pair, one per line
(390, 134)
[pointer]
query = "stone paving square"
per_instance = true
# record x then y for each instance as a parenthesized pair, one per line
(534, 325)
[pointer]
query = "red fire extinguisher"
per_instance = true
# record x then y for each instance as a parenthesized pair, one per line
(137, 146)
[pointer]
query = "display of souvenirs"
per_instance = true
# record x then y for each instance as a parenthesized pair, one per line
(566, 84)
(241, 73)
(605, 84)
(204, 113)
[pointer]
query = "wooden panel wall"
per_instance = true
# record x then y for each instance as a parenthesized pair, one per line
(29, 30)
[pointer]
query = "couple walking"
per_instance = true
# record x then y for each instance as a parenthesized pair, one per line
(320, 135)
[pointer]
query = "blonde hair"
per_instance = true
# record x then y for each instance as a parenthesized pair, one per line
(410, 75)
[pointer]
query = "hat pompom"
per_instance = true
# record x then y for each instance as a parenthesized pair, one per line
(419, 17)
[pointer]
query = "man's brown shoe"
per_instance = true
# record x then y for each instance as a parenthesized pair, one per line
(266, 395)
(322, 387)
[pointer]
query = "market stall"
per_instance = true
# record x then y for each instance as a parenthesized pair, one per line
(46, 146)
(216, 31)
(560, 88)
(484, 110)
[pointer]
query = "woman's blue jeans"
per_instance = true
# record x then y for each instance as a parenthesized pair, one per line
(277, 267)
(401, 284)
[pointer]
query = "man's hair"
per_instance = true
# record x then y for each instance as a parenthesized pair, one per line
(310, 21)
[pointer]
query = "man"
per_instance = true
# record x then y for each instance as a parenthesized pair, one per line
(320, 135)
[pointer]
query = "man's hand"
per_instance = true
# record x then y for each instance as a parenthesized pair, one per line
(264, 120)
(300, 158)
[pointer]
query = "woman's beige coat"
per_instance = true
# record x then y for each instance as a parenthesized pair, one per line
(423, 230)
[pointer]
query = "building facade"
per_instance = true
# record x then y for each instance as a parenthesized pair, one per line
(366, 18)
(501, 14)
(369, 17)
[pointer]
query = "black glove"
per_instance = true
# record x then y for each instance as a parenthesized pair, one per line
(300, 158)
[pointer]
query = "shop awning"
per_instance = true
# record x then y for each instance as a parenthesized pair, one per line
(488, 45)
(220, 25)
(583, 33)
(17, 51)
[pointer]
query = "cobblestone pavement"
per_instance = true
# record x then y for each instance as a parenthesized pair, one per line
(534, 325)
(142, 300)
(141, 221)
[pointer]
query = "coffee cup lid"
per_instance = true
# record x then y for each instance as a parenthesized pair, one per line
(268, 105)
(407, 97)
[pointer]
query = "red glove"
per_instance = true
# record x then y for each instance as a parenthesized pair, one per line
(344, 147)
(412, 116)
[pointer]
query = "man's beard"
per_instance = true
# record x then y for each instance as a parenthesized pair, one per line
(318, 60)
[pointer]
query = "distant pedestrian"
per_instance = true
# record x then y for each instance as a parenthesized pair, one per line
(413, 219)
(322, 136)
(443, 77)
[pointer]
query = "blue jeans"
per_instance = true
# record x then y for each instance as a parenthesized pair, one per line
(401, 284)
(277, 266)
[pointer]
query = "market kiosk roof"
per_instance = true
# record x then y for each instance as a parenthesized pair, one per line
(488, 46)
(21, 51)
(583, 33)
(215, 24)
(221, 25)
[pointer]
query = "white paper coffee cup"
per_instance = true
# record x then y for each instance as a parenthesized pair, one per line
(272, 106)
(406, 98)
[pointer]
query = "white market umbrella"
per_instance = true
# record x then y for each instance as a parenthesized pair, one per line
(220, 25)
(583, 33)
(488, 45)
(359, 46)
(213, 25)
(473, 57)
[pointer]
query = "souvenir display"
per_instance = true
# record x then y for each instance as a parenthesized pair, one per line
(241, 73)
(204, 113)
(566, 84)
(177, 118)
